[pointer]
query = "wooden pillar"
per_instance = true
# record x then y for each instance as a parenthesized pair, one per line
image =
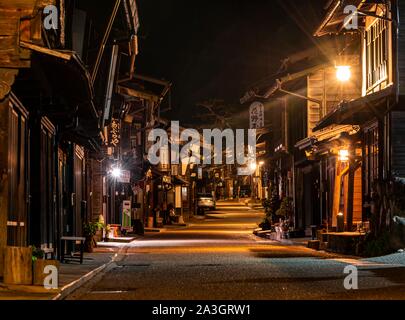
(7, 77)
(351, 178)
(350, 197)
(4, 107)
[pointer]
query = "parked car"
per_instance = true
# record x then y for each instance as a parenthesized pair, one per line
(205, 201)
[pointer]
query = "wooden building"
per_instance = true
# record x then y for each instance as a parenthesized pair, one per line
(373, 155)
(302, 93)
(55, 98)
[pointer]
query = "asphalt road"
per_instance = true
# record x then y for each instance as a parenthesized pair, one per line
(219, 258)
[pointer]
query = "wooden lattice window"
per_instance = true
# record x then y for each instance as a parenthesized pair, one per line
(372, 160)
(377, 53)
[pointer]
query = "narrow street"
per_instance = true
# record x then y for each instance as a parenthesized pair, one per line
(219, 258)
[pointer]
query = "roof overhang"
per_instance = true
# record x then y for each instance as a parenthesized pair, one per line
(335, 19)
(144, 88)
(359, 111)
(137, 93)
(67, 77)
(290, 78)
(327, 134)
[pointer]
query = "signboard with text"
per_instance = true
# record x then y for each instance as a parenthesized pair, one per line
(257, 115)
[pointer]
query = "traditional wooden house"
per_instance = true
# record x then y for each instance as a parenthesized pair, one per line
(54, 101)
(372, 153)
(303, 92)
(146, 98)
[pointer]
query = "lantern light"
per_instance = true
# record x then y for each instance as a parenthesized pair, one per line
(116, 173)
(343, 73)
(344, 155)
(253, 166)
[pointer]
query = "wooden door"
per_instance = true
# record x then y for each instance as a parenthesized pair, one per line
(47, 185)
(18, 165)
(79, 173)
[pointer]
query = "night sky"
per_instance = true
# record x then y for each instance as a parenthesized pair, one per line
(218, 49)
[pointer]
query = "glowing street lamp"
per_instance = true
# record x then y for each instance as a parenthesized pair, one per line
(344, 155)
(343, 73)
(116, 173)
(253, 166)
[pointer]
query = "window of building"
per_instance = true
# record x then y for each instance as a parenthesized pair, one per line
(371, 156)
(376, 54)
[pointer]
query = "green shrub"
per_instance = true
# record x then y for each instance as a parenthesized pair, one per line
(37, 254)
(285, 209)
(90, 229)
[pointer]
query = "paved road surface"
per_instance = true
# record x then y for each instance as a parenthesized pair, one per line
(219, 258)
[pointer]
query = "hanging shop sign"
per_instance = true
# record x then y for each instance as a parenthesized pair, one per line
(115, 133)
(257, 115)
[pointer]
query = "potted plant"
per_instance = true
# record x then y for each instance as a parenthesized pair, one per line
(271, 206)
(285, 210)
(37, 254)
(89, 231)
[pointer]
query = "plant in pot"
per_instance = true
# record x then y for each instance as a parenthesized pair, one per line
(285, 210)
(271, 206)
(89, 231)
(37, 254)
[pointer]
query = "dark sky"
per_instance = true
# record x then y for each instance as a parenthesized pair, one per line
(216, 49)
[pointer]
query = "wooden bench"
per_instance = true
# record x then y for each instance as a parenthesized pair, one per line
(75, 241)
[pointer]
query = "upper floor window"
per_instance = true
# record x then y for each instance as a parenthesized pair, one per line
(376, 54)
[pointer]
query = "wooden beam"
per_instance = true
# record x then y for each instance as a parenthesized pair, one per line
(18, 5)
(138, 94)
(105, 39)
(350, 191)
(55, 53)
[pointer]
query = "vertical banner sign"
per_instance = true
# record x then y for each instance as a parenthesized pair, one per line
(257, 115)
(115, 133)
(126, 214)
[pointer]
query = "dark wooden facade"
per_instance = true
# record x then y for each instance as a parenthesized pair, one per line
(379, 114)
(50, 128)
